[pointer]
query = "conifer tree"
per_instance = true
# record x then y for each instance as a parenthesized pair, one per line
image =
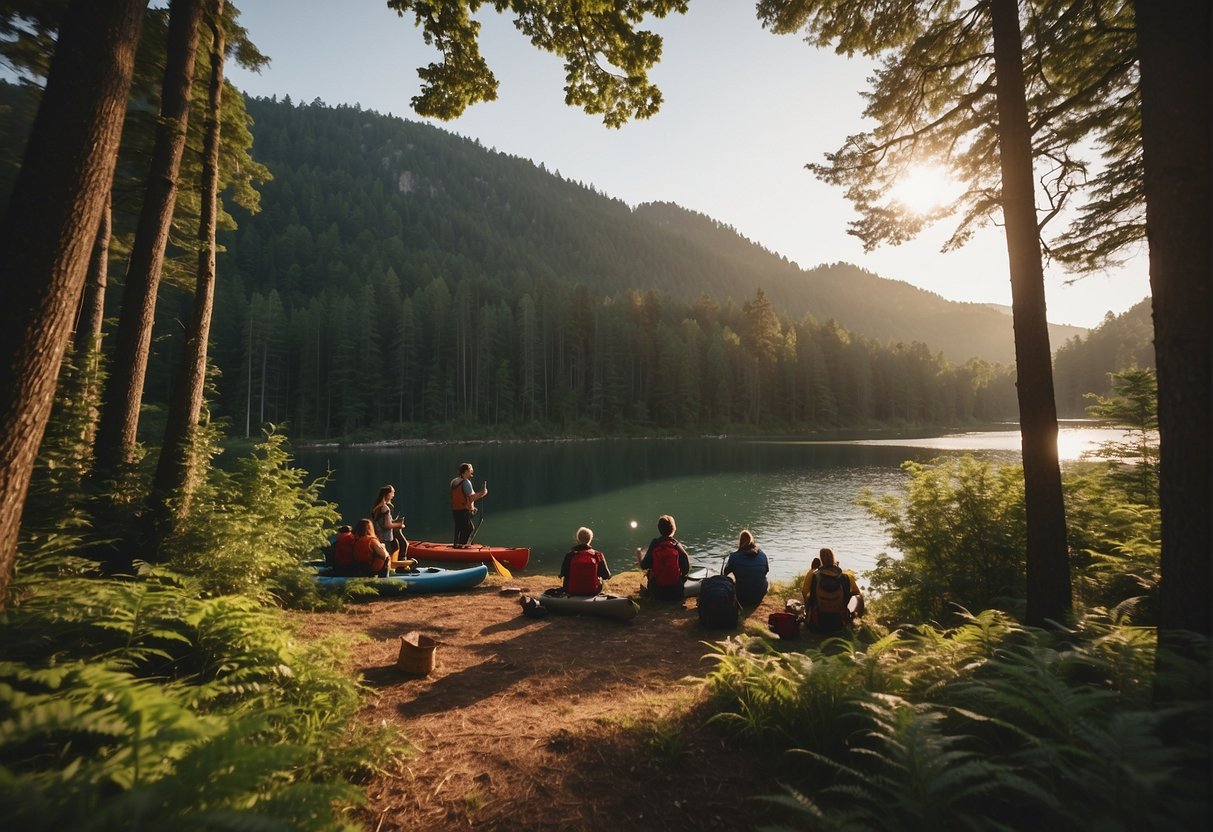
(116, 433)
(45, 242)
(175, 464)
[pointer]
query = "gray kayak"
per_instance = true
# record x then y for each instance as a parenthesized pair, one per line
(605, 605)
(690, 587)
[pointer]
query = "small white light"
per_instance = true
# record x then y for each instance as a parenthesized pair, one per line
(632, 524)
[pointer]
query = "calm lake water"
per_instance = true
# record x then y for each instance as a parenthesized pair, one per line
(796, 496)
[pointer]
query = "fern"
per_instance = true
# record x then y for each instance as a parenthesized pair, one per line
(141, 700)
(248, 525)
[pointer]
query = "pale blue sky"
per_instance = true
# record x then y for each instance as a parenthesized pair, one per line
(744, 111)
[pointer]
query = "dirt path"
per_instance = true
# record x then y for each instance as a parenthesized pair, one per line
(569, 722)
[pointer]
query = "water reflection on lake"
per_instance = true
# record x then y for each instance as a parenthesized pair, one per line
(1072, 442)
(796, 496)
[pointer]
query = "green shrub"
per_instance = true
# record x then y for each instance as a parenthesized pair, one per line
(960, 527)
(248, 525)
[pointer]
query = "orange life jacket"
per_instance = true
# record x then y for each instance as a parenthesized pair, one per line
(366, 555)
(459, 500)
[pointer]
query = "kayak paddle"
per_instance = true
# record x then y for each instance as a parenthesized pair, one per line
(500, 567)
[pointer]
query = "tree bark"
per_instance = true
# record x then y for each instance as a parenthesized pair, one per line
(50, 228)
(173, 469)
(86, 341)
(1048, 578)
(116, 435)
(87, 336)
(1173, 51)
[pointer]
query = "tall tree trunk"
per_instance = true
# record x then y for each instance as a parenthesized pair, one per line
(86, 341)
(87, 337)
(1048, 583)
(120, 406)
(1173, 50)
(173, 470)
(50, 228)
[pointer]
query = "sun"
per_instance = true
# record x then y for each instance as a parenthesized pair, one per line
(922, 189)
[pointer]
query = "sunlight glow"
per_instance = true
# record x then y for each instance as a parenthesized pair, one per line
(921, 190)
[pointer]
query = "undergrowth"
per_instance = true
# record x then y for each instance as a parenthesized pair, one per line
(177, 697)
(983, 726)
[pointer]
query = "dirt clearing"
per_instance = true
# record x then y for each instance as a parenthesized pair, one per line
(567, 722)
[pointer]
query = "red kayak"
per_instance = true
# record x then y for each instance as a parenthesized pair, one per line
(474, 553)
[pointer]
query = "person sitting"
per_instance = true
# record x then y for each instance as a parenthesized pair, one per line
(584, 568)
(808, 580)
(341, 552)
(749, 568)
(371, 557)
(829, 595)
(666, 562)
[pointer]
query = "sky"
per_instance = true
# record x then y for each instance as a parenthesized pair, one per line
(744, 111)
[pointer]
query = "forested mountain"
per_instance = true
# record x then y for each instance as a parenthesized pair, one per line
(1083, 364)
(426, 203)
(397, 273)
(876, 307)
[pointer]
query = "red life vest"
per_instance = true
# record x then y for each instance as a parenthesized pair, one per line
(583, 572)
(366, 555)
(459, 500)
(667, 567)
(343, 550)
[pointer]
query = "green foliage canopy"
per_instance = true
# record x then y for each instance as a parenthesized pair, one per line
(606, 57)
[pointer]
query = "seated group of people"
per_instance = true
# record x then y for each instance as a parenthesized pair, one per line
(667, 564)
(371, 549)
(831, 595)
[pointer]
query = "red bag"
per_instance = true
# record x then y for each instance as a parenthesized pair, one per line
(583, 573)
(784, 624)
(667, 566)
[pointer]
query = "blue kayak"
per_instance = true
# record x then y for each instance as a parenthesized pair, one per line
(425, 579)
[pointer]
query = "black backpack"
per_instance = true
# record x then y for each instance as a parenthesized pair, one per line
(718, 603)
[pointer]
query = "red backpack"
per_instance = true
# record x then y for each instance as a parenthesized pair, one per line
(343, 550)
(667, 568)
(583, 573)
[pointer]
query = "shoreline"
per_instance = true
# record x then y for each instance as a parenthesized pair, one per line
(837, 435)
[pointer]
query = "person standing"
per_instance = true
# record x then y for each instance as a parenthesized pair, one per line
(388, 528)
(666, 561)
(463, 503)
(584, 567)
(749, 568)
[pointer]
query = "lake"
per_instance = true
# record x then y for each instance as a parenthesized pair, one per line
(795, 496)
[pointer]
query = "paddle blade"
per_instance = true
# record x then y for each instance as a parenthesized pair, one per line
(500, 567)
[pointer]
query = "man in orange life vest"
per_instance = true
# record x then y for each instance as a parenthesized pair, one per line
(463, 503)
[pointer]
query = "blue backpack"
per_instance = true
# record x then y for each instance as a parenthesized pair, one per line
(718, 603)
